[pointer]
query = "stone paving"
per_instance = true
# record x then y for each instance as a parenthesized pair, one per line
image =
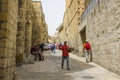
(50, 69)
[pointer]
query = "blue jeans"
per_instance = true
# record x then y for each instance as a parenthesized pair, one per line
(53, 50)
(67, 61)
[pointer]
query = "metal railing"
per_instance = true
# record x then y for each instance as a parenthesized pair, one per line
(92, 4)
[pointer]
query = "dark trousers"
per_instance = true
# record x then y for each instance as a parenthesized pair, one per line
(37, 56)
(67, 61)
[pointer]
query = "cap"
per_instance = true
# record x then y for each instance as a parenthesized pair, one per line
(86, 40)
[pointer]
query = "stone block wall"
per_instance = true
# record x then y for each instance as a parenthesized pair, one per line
(36, 23)
(103, 32)
(71, 21)
(40, 28)
(8, 30)
(28, 27)
(20, 45)
(16, 19)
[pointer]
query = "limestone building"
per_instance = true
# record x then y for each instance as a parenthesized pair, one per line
(8, 31)
(17, 20)
(99, 22)
(101, 26)
(40, 28)
(24, 30)
(71, 21)
(28, 27)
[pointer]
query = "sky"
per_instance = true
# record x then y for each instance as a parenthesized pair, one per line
(54, 12)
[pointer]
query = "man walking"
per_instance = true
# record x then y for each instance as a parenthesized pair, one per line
(53, 47)
(65, 55)
(87, 50)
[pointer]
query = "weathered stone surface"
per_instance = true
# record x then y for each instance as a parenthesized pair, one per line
(16, 19)
(40, 28)
(69, 28)
(20, 45)
(102, 31)
(8, 30)
(28, 27)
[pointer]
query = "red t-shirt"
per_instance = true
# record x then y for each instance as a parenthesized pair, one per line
(87, 46)
(64, 50)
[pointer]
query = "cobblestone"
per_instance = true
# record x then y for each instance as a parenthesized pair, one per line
(50, 69)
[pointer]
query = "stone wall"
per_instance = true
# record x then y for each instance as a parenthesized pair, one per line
(61, 33)
(103, 32)
(16, 26)
(45, 32)
(72, 16)
(8, 30)
(20, 45)
(25, 30)
(36, 23)
(28, 27)
(40, 28)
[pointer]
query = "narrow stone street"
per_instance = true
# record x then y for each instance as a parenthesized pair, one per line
(50, 69)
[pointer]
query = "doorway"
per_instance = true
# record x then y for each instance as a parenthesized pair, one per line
(83, 34)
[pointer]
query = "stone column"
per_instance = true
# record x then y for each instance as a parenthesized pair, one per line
(28, 31)
(21, 33)
(8, 30)
(28, 27)
(28, 38)
(37, 23)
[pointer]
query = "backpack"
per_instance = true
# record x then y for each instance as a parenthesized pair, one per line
(87, 46)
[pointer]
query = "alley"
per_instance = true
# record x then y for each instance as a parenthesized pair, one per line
(50, 69)
(26, 24)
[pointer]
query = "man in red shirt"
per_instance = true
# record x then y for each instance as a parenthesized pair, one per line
(65, 55)
(87, 50)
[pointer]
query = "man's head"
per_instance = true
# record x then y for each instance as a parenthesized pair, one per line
(65, 42)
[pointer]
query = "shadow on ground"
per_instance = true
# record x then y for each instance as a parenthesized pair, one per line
(75, 65)
(50, 69)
